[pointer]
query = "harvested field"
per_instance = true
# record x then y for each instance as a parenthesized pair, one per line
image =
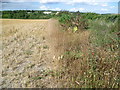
(26, 56)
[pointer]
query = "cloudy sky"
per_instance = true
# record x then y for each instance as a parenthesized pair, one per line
(97, 6)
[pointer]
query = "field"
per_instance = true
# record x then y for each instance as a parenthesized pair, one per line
(43, 53)
(26, 54)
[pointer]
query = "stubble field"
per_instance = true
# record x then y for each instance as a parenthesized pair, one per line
(26, 53)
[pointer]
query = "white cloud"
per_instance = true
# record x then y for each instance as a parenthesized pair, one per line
(112, 7)
(43, 7)
(70, 3)
(104, 4)
(89, 3)
(92, 3)
(47, 1)
(81, 9)
(57, 9)
(104, 9)
(19, 0)
(77, 9)
(73, 9)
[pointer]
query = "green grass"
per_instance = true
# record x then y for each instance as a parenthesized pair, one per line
(45, 47)
(28, 52)
(103, 33)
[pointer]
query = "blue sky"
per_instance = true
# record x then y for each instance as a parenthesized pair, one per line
(98, 6)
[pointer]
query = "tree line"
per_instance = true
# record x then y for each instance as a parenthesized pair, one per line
(36, 14)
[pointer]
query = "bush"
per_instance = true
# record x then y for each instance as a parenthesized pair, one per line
(73, 22)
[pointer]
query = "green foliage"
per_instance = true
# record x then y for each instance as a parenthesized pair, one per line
(28, 52)
(73, 54)
(72, 21)
(64, 18)
(37, 78)
(26, 14)
(103, 33)
(45, 47)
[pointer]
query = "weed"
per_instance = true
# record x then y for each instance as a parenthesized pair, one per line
(28, 52)
(36, 78)
(43, 38)
(45, 47)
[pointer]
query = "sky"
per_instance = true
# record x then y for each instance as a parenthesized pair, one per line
(96, 6)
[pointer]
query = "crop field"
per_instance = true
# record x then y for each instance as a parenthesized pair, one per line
(68, 51)
(25, 53)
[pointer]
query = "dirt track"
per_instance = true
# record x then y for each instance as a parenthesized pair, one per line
(27, 58)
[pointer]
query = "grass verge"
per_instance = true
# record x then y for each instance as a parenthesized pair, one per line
(90, 59)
